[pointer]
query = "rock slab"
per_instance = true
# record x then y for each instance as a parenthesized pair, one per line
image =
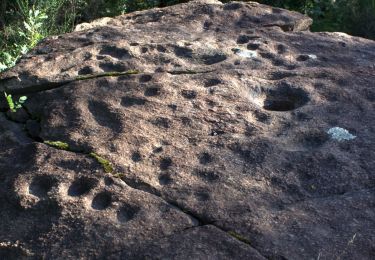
(196, 131)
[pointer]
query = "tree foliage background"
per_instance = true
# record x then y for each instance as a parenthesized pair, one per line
(355, 17)
(24, 22)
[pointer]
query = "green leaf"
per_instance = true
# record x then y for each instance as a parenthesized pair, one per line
(27, 26)
(22, 99)
(10, 102)
(3, 66)
(24, 49)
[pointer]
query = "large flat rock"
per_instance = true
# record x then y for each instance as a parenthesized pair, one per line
(206, 242)
(211, 121)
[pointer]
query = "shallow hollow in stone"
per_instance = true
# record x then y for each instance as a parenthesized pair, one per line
(102, 201)
(285, 98)
(41, 185)
(81, 186)
(127, 213)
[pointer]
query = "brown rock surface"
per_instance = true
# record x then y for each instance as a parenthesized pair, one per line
(214, 119)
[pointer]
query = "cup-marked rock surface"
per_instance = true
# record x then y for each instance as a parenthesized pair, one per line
(196, 131)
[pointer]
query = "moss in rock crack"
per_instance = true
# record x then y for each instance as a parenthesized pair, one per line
(107, 166)
(106, 74)
(57, 84)
(119, 175)
(239, 237)
(58, 144)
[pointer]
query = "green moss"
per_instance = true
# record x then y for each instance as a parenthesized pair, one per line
(239, 237)
(107, 166)
(57, 144)
(107, 74)
(119, 175)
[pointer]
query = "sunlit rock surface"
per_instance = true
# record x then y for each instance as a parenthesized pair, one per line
(209, 127)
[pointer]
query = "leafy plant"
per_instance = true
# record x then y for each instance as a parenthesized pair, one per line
(23, 35)
(356, 17)
(14, 105)
(33, 26)
(8, 60)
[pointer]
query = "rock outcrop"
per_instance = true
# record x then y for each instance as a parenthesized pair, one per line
(196, 131)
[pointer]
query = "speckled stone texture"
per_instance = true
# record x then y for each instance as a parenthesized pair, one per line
(214, 118)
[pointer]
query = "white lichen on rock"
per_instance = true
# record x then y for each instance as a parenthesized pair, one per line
(340, 134)
(312, 56)
(245, 53)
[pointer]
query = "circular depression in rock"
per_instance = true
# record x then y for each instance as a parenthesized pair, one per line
(81, 186)
(102, 201)
(127, 213)
(285, 98)
(41, 185)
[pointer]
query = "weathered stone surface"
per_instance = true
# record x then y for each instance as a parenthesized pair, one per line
(60, 204)
(206, 242)
(214, 119)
